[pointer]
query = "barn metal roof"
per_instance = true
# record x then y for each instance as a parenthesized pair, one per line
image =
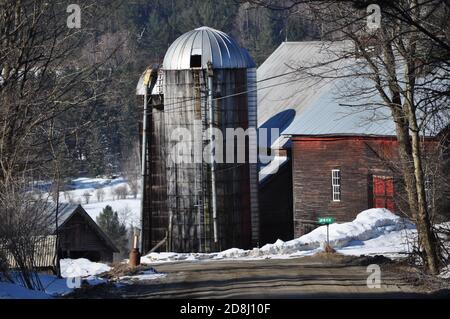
(213, 45)
(305, 105)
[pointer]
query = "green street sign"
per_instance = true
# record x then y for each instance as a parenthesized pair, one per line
(325, 220)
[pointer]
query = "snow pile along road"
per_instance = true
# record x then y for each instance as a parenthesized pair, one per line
(374, 231)
(369, 224)
(71, 268)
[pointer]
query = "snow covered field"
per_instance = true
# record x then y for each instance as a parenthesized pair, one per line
(128, 209)
(374, 231)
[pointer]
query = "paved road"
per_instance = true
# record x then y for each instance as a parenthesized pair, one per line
(293, 278)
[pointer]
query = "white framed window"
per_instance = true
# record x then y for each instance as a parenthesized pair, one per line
(336, 184)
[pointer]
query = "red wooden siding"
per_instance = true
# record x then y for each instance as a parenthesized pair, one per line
(357, 158)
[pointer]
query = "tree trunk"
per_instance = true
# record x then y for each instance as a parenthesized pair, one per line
(427, 238)
(409, 151)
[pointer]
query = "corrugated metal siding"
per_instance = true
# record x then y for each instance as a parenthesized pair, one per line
(44, 253)
(253, 167)
(189, 184)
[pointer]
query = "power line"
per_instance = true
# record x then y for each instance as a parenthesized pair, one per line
(174, 110)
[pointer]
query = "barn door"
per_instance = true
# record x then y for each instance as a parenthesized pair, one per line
(383, 192)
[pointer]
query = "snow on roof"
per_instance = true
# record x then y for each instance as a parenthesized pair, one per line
(316, 105)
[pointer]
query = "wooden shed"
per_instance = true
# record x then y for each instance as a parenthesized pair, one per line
(81, 237)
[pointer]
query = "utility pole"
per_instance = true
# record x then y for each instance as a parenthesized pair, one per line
(212, 153)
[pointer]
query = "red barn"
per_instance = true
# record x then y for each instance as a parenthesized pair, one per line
(336, 155)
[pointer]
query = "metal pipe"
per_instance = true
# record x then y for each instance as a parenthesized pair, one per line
(212, 153)
(147, 78)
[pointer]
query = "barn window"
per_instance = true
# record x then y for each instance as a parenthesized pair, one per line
(336, 184)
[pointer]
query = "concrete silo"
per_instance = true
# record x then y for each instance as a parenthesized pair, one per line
(206, 81)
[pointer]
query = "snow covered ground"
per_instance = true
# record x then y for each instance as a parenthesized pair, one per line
(72, 270)
(53, 287)
(128, 209)
(150, 274)
(374, 231)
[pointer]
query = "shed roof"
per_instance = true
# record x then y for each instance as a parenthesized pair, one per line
(67, 210)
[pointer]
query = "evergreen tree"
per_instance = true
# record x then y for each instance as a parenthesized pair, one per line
(265, 43)
(109, 222)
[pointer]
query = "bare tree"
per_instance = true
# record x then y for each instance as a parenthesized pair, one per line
(49, 84)
(4, 266)
(121, 192)
(87, 197)
(405, 63)
(134, 188)
(112, 193)
(68, 197)
(25, 222)
(100, 194)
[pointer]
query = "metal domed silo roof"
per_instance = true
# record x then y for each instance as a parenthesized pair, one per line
(212, 45)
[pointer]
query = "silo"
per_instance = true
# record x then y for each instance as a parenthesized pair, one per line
(207, 207)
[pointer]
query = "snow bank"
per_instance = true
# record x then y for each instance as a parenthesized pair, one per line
(368, 224)
(374, 231)
(71, 268)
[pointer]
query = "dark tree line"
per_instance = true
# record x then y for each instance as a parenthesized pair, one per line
(121, 38)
